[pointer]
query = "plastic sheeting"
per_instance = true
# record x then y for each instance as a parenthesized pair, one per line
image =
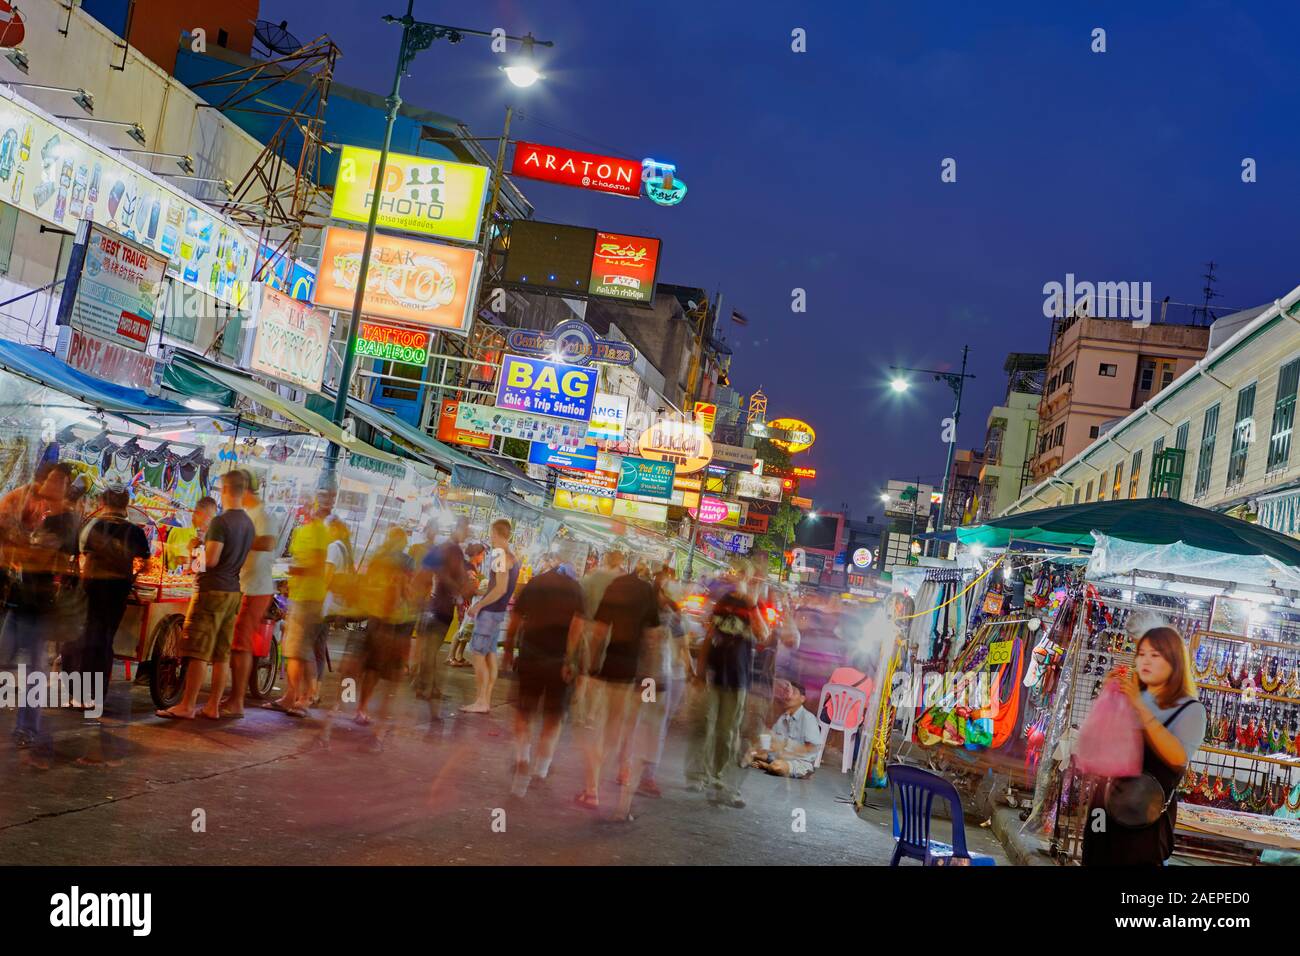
(1114, 559)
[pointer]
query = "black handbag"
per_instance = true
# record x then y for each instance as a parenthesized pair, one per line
(1137, 802)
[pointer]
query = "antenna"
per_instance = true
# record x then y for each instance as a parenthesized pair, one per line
(1204, 311)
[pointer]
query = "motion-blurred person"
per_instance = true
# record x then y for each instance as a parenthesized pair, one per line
(726, 660)
(307, 589)
(113, 549)
(782, 640)
(387, 594)
(340, 583)
(475, 555)
(257, 584)
(444, 576)
(626, 620)
(547, 624)
(184, 546)
(489, 613)
(210, 620)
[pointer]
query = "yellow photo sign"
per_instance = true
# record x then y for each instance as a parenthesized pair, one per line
(432, 197)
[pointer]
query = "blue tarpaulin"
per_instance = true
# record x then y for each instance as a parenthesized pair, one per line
(42, 367)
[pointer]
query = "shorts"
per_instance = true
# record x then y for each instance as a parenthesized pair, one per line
(487, 632)
(300, 629)
(386, 649)
(542, 685)
(252, 611)
(210, 626)
(799, 767)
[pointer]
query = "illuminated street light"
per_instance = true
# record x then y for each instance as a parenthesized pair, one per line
(522, 72)
(899, 385)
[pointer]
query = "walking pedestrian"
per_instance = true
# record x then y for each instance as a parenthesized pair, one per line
(546, 624)
(210, 620)
(488, 613)
(390, 624)
(475, 555)
(257, 584)
(308, 548)
(627, 618)
(340, 587)
(443, 576)
(726, 662)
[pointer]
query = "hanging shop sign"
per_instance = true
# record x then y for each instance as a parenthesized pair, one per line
(681, 442)
(567, 167)
(433, 197)
(862, 558)
(420, 283)
(111, 363)
(805, 503)
(590, 494)
(706, 413)
(448, 432)
(573, 342)
(663, 192)
(608, 417)
(113, 290)
(55, 174)
(642, 476)
(578, 459)
(738, 542)
(624, 267)
(290, 341)
(521, 425)
(717, 511)
(546, 388)
(392, 343)
(805, 474)
(754, 523)
(640, 510)
(733, 457)
(749, 485)
(282, 273)
(791, 434)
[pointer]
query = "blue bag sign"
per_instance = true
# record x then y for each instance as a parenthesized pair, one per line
(546, 388)
(580, 459)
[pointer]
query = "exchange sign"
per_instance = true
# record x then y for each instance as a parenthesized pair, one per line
(546, 388)
(429, 196)
(420, 283)
(567, 167)
(392, 343)
(608, 417)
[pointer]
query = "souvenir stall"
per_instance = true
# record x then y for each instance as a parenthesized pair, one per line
(1231, 589)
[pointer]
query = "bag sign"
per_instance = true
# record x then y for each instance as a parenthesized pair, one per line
(540, 387)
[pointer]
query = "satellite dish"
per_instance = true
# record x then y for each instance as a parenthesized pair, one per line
(275, 38)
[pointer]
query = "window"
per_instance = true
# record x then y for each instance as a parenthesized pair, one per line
(1134, 473)
(1157, 447)
(1180, 436)
(1088, 494)
(1067, 374)
(1118, 487)
(1051, 384)
(1205, 462)
(223, 38)
(1146, 375)
(1279, 442)
(1243, 435)
(1058, 436)
(1108, 370)
(1094, 431)
(1167, 376)
(1077, 492)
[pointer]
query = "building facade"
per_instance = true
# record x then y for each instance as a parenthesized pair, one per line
(1011, 440)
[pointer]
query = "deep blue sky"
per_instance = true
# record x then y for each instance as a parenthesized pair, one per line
(821, 171)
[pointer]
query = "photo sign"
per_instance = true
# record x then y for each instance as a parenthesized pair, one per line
(57, 175)
(502, 421)
(546, 388)
(116, 293)
(433, 197)
(291, 340)
(419, 283)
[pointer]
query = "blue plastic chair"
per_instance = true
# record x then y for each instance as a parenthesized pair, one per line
(914, 791)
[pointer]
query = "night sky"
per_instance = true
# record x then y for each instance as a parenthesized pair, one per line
(821, 171)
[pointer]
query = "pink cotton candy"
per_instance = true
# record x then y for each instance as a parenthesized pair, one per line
(1110, 740)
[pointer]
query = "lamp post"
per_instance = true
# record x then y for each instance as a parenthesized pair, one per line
(417, 35)
(956, 381)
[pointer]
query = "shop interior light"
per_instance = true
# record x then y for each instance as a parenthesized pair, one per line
(18, 57)
(134, 130)
(183, 160)
(79, 96)
(226, 185)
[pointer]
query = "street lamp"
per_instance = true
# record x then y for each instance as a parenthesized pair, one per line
(522, 72)
(417, 35)
(900, 384)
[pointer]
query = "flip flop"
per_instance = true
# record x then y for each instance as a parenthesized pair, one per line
(274, 705)
(296, 712)
(169, 715)
(229, 715)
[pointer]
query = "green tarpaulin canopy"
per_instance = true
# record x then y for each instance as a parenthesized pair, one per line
(1143, 520)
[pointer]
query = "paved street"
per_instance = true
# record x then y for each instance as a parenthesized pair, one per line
(272, 797)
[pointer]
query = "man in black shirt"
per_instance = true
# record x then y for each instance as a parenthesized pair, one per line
(111, 546)
(627, 611)
(548, 615)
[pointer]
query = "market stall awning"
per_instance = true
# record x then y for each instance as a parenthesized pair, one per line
(1141, 520)
(44, 369)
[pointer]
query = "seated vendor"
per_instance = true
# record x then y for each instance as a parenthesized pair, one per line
(795, 738)
(185, 545)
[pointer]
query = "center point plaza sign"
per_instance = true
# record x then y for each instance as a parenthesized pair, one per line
(426, 284)
(574, 342)
(433, 197)
(542, 387)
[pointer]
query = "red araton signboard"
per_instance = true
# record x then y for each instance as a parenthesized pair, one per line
(551, 164)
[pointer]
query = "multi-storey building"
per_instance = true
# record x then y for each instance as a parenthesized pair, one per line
(1012, 431)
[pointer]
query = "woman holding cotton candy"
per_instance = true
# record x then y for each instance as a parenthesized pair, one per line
(1131, 819)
